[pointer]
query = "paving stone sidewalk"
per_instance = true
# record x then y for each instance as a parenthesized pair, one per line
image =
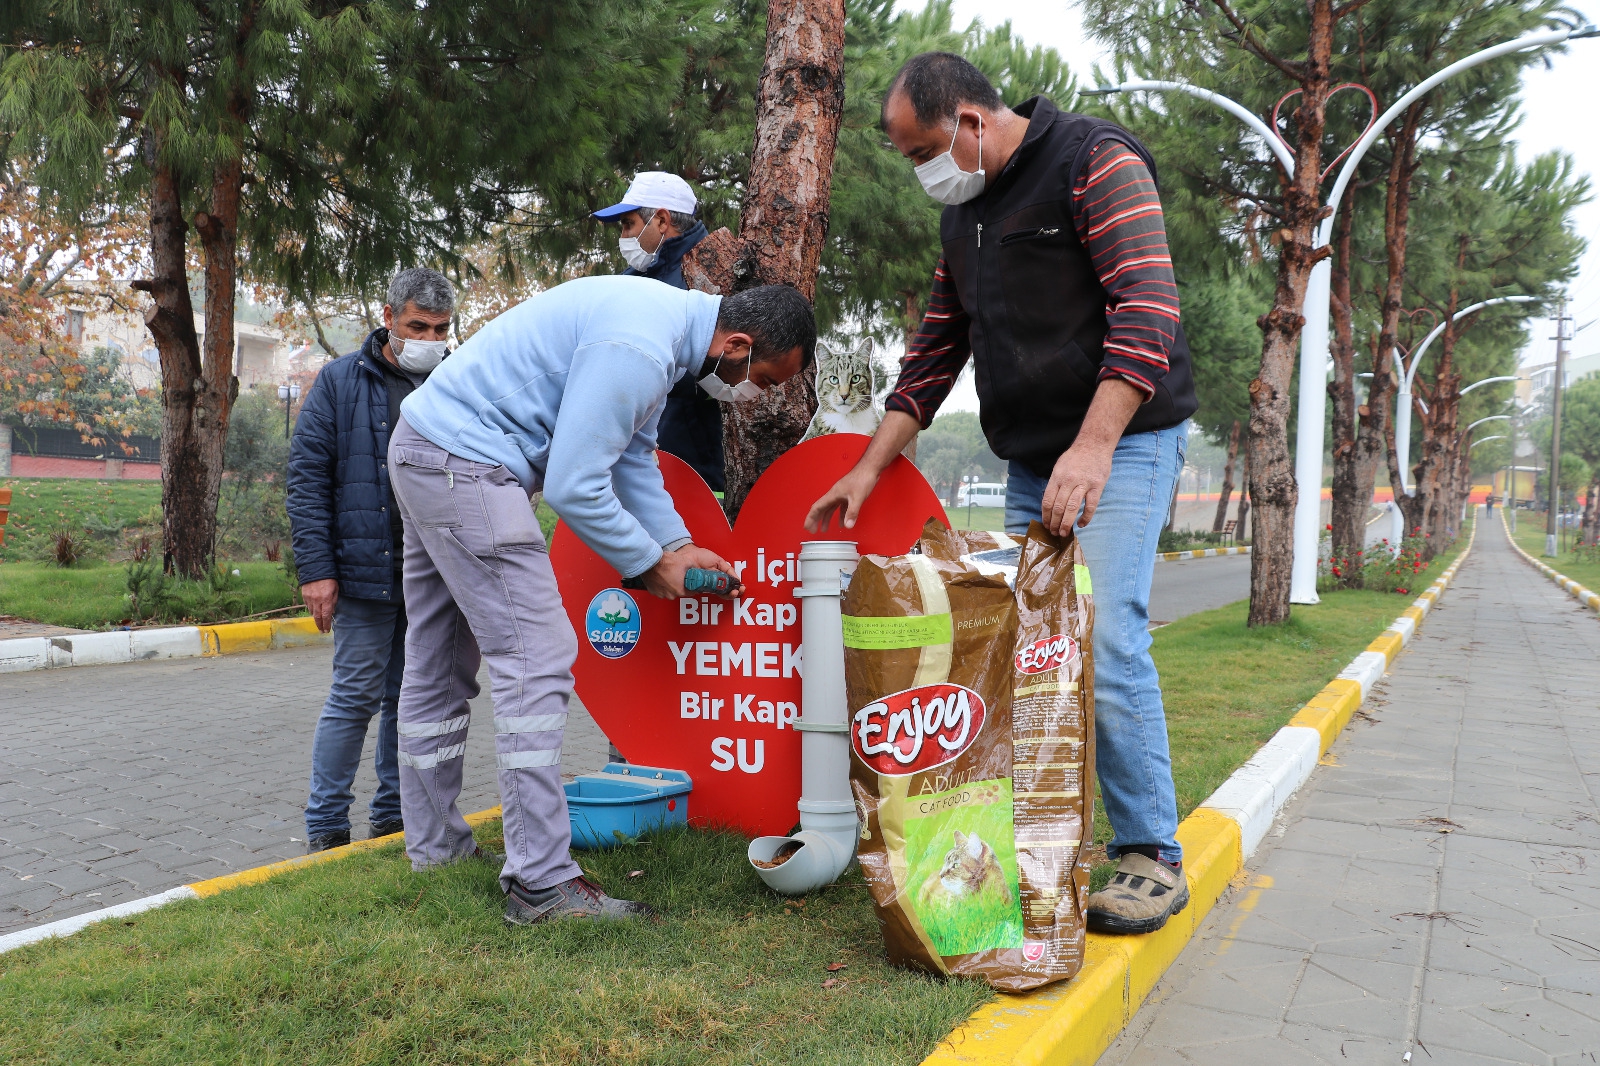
(1435, 888)
(118, 782)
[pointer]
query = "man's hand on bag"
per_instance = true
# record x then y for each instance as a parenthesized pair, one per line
(321, 597)
(665, 579)
(1080, 475)
(1077, 481)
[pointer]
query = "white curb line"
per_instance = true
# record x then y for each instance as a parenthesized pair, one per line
(1584, 596)
(1254, 794)
(68, 926)
(176, 642)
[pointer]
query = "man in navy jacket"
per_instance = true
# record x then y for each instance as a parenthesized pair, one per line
(659, 228)
(347, 546)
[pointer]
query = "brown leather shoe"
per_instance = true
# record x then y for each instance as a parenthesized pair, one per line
(577, 898)
(1142, 895)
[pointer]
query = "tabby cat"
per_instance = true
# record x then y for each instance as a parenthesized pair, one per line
(844, 391)
(970, 869)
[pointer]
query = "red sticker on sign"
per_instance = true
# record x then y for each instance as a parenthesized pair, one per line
(1048, 653)
(917, 729)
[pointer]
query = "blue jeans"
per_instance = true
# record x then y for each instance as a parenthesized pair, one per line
(1132, 759)
(369, 660)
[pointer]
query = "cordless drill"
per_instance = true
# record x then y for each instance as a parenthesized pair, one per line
(696, 579)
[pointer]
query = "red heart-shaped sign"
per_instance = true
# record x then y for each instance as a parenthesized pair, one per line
(709, 685)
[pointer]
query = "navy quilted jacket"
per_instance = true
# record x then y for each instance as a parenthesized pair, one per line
(339, 495)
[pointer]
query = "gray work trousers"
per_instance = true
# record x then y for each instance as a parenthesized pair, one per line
(478, 584)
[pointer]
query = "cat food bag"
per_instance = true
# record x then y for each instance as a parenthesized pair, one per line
(971, 749)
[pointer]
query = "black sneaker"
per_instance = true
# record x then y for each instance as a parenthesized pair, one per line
(388, 828)
(577, 898)
(328, 840)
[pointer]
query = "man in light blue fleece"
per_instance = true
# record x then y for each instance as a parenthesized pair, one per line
(562, 393)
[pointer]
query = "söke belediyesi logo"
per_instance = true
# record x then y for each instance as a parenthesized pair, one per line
(612, 623)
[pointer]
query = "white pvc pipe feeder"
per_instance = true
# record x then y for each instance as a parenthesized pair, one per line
(829, 829)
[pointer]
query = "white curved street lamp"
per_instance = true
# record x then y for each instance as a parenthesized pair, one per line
(1485, 440)
(1316, 307)
(1403, 400)
(1491, 418)
(1490, 381)
(1402, 412)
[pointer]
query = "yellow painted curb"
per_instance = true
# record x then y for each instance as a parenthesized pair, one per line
(1072, 1023)
(1330, 710)
(1388, 645)
(1585, 596)
(232, 637)
(229, 638)
(258, 874)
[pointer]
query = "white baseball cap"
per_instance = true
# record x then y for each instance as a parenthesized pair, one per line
(653, 188)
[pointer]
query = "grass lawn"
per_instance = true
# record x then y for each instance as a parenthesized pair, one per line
(90, 595)
(362, 961)
(1530, 536)
(989, 518)
(41, 506)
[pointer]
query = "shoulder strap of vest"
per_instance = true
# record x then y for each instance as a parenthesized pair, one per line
(1110, 131)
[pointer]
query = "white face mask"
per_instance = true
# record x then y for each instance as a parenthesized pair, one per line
(634, 252)
(945, 181)
(416, 356)
(718, 389)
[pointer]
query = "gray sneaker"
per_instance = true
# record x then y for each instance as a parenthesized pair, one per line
(1140, 898)
(577, 898)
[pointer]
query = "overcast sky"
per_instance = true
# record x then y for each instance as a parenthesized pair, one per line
(1549, 121)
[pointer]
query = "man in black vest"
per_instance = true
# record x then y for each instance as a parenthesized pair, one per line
(1056, 280)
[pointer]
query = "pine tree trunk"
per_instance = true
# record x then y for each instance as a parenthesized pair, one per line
(1377, 429)
(219, 232)
(188, 524)
(1240, 527)
(784, 218)
(1271, 482)
(1227, 482)
(1348, 514)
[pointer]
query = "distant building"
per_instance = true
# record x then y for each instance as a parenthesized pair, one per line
(263, 356)
(1537, 378)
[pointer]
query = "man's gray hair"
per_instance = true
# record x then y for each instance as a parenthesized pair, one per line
(428, 290)
(681, 222)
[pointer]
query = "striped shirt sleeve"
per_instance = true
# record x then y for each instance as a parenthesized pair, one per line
(1117, 215)
(937, 355)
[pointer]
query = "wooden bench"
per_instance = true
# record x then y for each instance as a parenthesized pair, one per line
(1227, 529)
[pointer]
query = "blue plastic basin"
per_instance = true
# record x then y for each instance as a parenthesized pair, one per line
(624, 801)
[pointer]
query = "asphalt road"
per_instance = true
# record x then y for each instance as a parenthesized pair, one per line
(1192, 585)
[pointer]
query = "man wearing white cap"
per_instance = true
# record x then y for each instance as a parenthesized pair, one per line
(658, 230)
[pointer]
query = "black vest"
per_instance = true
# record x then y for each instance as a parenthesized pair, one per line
(1038, 309)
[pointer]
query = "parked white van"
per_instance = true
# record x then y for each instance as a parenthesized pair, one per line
(983, 494)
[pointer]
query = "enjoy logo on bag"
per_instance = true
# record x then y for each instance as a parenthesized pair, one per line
(1048, 653)
(917, 729)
